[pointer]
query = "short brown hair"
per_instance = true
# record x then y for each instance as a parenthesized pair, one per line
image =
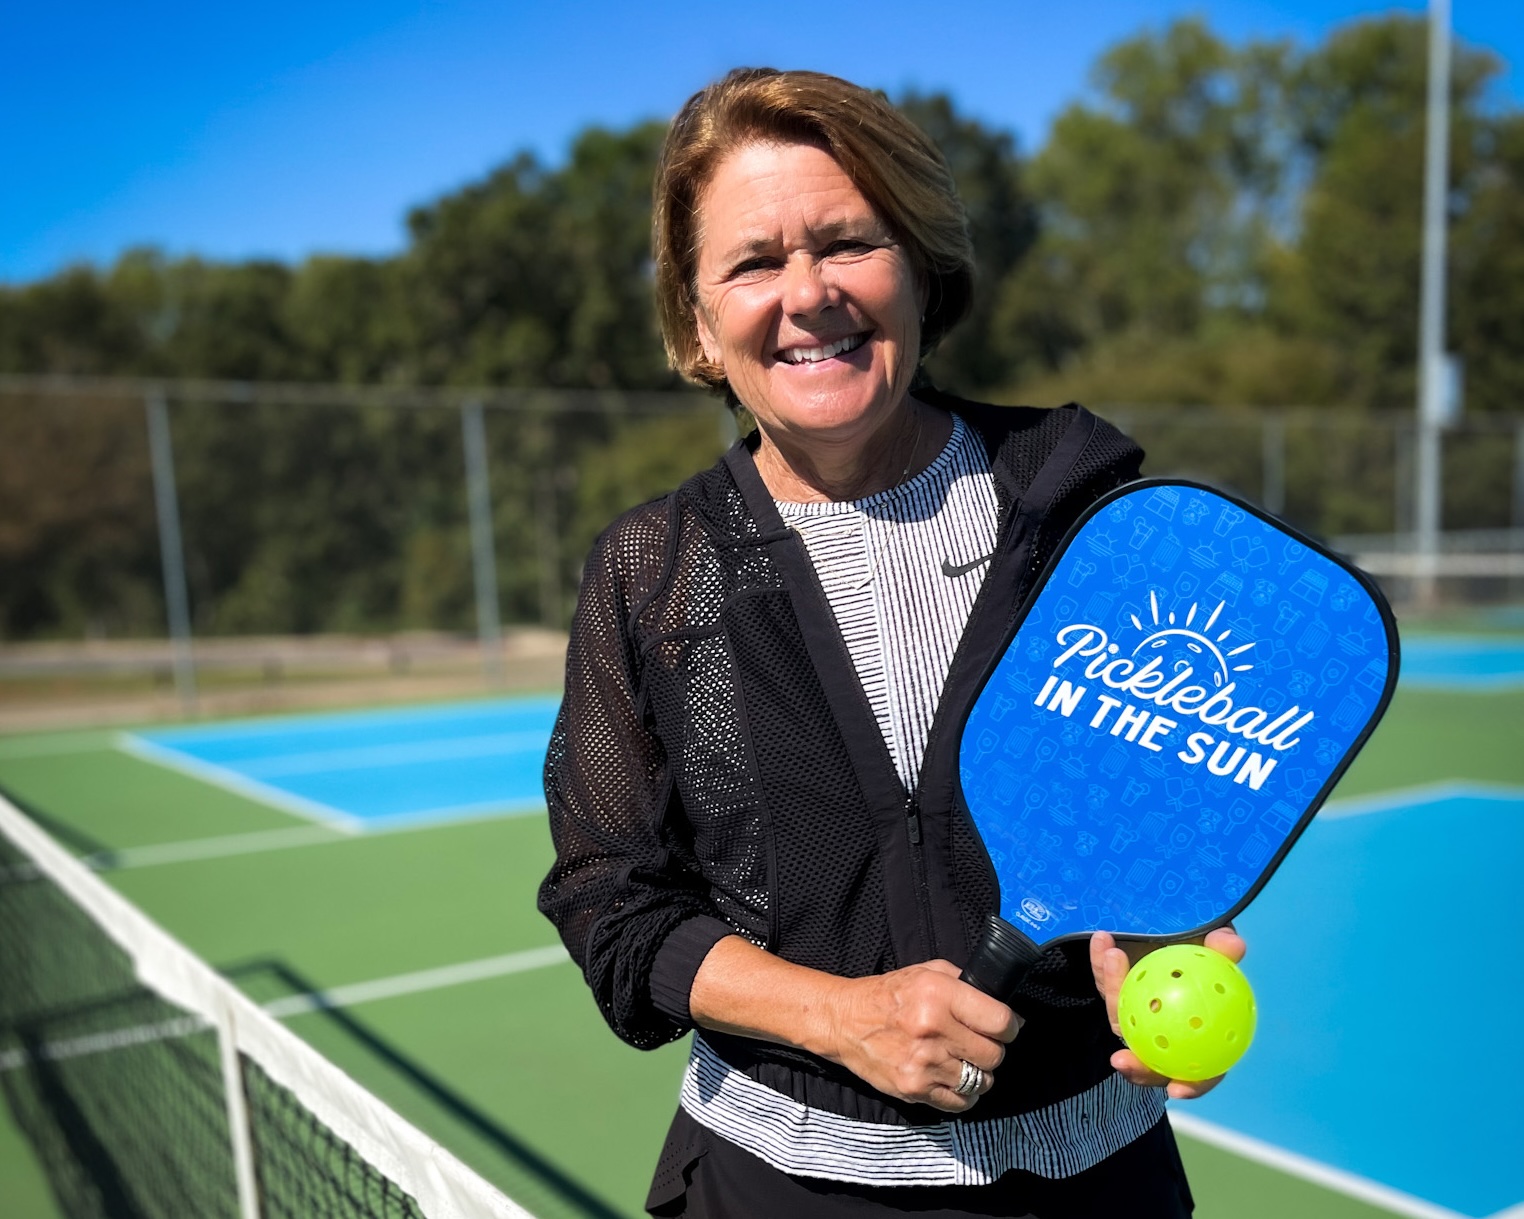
(895, 165)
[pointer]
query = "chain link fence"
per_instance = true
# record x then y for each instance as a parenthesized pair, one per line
(223, 511)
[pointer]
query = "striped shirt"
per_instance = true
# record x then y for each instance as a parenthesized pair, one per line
(900, 570)
(881, 563)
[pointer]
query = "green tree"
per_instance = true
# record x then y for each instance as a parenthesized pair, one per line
(1352, 276)
(1153, 201)
(1487, 276)
(977, 357)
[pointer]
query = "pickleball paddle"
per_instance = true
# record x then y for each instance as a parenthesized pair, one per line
(1178, 696)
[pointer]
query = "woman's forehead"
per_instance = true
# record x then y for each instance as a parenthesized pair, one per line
(761, 188)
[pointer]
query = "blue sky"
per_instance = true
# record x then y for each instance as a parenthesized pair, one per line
(296, 128)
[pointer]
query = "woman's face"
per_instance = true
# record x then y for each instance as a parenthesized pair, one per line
(804, 297)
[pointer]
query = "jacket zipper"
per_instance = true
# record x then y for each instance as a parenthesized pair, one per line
(918, 872)
(912, 805)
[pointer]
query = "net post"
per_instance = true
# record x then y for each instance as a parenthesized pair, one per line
(171, 548)
(489, 626)
(238, 1116)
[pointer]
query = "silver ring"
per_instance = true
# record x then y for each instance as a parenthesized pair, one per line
(970, 1080)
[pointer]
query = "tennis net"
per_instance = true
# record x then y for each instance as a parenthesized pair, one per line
(149, 1086)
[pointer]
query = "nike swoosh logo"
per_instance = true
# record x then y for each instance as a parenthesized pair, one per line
(950, 569)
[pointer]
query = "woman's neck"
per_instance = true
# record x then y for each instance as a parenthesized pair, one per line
(820, 473)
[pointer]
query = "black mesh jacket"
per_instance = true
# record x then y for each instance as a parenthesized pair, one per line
(716, 769)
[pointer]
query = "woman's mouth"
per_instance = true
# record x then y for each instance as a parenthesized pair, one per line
(814, 355)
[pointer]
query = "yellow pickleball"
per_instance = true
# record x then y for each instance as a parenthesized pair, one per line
(1187, 1012)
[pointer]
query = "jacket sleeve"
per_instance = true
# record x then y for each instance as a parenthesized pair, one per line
(625, 894)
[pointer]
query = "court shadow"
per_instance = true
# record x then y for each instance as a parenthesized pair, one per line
(81, 843)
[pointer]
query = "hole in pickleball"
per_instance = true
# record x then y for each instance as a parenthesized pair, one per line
(1162, 1041)
(1154, 1005)
(1142, 973)
(1231, 1036)
(1174, 973)
(1195, 1022)
(1219, 988)
(1133, 1020)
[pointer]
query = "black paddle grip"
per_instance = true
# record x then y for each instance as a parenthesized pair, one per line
(1001, 961)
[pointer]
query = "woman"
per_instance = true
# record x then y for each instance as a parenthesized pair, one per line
(751, 779)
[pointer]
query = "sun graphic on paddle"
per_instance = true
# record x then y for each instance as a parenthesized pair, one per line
(1185, 646)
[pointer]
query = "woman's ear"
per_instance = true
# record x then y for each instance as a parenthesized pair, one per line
(706, 336)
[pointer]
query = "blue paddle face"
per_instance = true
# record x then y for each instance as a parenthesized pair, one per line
(1180, 696)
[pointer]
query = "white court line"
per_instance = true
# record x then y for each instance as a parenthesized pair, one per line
(422, 980)
(192, 849)
(256, 842)
(449, 814)
(1293, 1165)
(297, 1005)
(101, 1043)
(253, 789)
(1420, 794)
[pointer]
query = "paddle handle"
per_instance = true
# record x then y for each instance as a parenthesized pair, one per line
(1001, 961)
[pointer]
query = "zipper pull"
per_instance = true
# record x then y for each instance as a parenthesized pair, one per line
(913, 822)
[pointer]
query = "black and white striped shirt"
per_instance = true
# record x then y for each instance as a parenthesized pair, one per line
(900, 570)
(881, 563)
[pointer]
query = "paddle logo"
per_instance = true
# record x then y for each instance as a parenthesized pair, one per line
(1035, 911)
(1178, 671)
(1187, 646)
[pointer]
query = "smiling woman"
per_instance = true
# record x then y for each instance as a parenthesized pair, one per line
(750, 780)
(813, 309)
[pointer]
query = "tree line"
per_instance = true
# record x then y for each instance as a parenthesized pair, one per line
(1214, 224)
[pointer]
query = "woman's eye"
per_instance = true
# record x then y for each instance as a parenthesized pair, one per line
(752, 266)
(847, 248)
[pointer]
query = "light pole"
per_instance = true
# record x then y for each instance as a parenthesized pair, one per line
(1432, 369)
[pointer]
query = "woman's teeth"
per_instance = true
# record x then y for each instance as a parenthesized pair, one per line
(813, 355)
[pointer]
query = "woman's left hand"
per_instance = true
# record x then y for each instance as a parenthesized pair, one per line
(1110, 962)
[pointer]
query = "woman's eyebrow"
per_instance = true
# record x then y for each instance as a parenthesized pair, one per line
(831, 230)
(748, 247)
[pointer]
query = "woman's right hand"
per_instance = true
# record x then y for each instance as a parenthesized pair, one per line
(908, 1033)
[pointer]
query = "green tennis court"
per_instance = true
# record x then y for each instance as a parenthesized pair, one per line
(412, 955)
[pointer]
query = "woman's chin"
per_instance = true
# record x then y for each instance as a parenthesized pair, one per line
(824, 399)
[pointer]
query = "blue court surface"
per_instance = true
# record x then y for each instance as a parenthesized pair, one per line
(1384, 953)
(1442, 662)
(373, 769)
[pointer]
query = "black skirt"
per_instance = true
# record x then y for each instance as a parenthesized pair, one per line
(704, 1176)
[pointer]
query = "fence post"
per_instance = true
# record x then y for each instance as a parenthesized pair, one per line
(1402, 478)
(1518, 477)
(549, 548)
(1273, 449)
(171, 550)
(489, 626)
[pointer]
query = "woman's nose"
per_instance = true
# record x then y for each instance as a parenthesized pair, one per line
(806, 289)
